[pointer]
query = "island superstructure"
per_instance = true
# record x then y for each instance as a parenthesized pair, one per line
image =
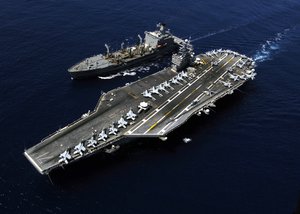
(155, 44)
(150, 107)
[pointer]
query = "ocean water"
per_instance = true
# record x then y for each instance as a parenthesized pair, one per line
(243, 158)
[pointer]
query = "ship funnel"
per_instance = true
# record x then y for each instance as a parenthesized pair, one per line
(141, 39)
(107, 49)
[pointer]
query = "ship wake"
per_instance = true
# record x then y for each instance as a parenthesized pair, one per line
(109, 77)
(223, 30)
(271, 46)
(214, 33)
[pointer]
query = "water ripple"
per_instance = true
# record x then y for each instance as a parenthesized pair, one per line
(271, 46)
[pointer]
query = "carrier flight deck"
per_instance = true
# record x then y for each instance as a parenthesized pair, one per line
(150, 107)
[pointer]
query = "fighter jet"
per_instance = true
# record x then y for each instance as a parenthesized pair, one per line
(251, 76)
(112, 130)
(130, 115)
(64, 157)
(175, 81)
(154, 90)
(161, 87)
(233, 77)
(248, 71)
(242, 77)
(91, 143)
(148, 94)
(184, 74)
(241, 64)
(226, 84)
(79, 149)
(102, 136)
(122, 123)
(167, 85)
(179, 77)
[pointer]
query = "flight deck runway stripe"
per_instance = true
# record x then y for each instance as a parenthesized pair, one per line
(164, 128)
(155, 124)
(172, 98)
(165, 103)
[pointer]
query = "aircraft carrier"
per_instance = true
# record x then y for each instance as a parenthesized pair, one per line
(150, 107)
(155, 44)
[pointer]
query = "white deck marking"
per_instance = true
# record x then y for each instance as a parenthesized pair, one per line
(177, 94)
(174, 96)
(182, 101)
(172, 109)
(163, 130)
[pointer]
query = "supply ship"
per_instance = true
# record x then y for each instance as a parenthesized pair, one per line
(150, 107)
(155, 44)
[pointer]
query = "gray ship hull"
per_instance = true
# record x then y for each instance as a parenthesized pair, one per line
(116, 68)
(195, 93)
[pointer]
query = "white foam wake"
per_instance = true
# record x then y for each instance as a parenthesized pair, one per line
(221, 31)
(215, 33)
(126, 73)
(270, 47)
(109, 77)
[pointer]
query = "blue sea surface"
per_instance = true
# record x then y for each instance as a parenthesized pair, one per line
(244, 157)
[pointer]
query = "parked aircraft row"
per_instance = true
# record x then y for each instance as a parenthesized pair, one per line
(179, 79)
(95, 140)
